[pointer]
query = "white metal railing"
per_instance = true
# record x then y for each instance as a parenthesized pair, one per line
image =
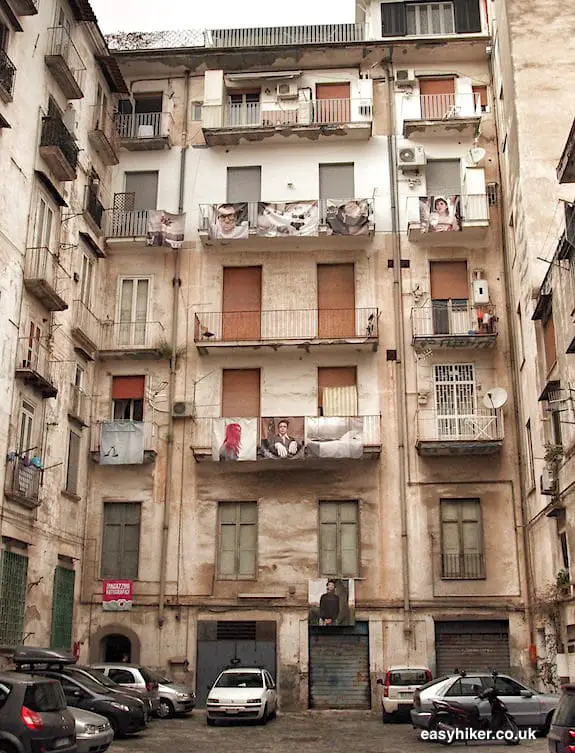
(138, 335)
(288, 324)
(41, 264)
(61, 45)
(78, 403)
(85, 322)
(472, 208)
(302, 113)
(150, 430)
(144, 125)
(453, 318)
(476, 426)
(448, 106)
(33, 356)
(286, 35)
(121, 223)
(202, 430)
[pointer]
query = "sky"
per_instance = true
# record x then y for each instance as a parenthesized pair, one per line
(152, 15)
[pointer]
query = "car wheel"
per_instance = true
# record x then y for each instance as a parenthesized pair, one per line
(114, 726)
(7, 748)
(547, 726)
(386, 718)
(165, 709)
(210, 722)
(264, 716)
(274, 713)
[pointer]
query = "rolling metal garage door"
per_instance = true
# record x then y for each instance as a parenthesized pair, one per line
(339, 668)
(472, 645)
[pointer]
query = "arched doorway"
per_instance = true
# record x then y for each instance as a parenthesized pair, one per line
(116, 647)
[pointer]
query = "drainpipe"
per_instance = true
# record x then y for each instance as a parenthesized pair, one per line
(400, 384)
(176, 284)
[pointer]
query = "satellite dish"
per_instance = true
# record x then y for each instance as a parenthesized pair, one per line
(476, 154)
(495, 398)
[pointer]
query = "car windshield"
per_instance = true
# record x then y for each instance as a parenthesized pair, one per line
(150, 676)
(408, 677)
(239, 680)
(92, 685)
(45, 696)
(565, 714)
(92, 674)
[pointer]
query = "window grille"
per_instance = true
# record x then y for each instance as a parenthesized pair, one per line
(430, 18)
(13, 576)
(62, 608)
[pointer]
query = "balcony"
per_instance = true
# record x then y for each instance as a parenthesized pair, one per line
(64, 62)
(58, 148)
(93, 210)
(305, 329)
(25, 7)
(439, 114)
(23, 481)
(277, 36)
(314, 440)
(78, 406)
(103, 136)
(42, 278)
(7, 76)
(341, 223)
(138, 340)
(85, 330)
(124, 442)
(462, 566)
(466, 220)
(229, 125)
(126, 223)
(145, 131)
(566, 166)
(33, 366)
(449, 324)
(476, 433)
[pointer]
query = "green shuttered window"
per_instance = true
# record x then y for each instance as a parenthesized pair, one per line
(62, 608)
(13, 577)
(121, 540)
(237, 540)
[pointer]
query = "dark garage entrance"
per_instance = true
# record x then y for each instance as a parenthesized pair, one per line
(472, 645)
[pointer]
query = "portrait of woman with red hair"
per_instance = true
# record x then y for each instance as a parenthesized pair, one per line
(230, 448)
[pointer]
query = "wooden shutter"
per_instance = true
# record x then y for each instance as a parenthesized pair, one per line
(467, 16)
(549, 342)
(336, 300)
(62, 608)
(241, 393)
(241, 306)
(128, 387)
(449, 280)
(336, 376)
(121, 540)
(244, 184)
(336, 181)
(393, 20)
(238, 540)
(73, 462)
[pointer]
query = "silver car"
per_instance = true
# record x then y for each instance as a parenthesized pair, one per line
(529, 707)
(94, 733)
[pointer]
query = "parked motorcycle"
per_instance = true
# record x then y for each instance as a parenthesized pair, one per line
(451, 716)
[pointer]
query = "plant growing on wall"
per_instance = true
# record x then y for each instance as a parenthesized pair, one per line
(548, 609)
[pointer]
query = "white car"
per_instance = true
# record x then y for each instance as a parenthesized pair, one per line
(246, 693)
(399, 687)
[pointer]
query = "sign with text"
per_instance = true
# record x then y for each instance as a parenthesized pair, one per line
(117, 595)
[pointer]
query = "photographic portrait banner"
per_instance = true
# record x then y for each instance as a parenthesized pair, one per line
(331, 602)
(351, 217)
(288, 219)
(165, 229)
(122, 443)
(440, 214)
(334, 437)
(234, 439)
(282, 438)
(230, 222)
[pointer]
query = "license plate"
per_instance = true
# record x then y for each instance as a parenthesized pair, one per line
(232, 711)
(61, 742)
(405, 695)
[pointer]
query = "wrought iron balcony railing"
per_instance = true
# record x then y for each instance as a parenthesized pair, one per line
(23, 481)
(78, 404)
(34, 365)
(289, 324)
(453, 318)
(85, 325)
(65, 61)
(7, 76)
(144, 125)
(462, 566)
(276, 36)
(55, 133)
(103, 135)
(476, 426)
(93, 207)
(133, 336)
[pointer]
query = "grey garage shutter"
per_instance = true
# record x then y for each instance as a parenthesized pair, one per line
(339, 668)
(393, 20)
(473, 645)
(467, 16)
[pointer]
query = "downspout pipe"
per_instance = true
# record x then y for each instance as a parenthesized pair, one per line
(400, 382)
(176, 285)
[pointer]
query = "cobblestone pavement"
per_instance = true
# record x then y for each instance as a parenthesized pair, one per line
(312, 732)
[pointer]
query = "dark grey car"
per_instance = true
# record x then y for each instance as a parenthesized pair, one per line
(561, 737)
(34, 716)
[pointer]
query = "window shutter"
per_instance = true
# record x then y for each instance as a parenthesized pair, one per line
(393, 20)
(73, 462)
(121, 540)
(467, 16)
(128, 387)
(13, 578)
(62, 608)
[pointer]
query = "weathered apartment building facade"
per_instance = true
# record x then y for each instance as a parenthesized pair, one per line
(340, 280)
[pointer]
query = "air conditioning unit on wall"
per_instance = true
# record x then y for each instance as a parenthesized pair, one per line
(287, 90)
(410, 157)
(182, 409)
(548, 483)
(404, 76)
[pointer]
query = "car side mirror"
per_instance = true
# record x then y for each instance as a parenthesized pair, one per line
(379, 681)
(526, 694)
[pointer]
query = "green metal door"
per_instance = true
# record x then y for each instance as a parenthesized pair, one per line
(13, 576)
(62, 608)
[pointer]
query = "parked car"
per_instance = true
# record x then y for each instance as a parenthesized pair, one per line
(150, 700)
(174, 698)
(33, 715)
(94, 733)
(562, 731)
(246, 693)
(399, 685)
(126, 715)
(529, 707)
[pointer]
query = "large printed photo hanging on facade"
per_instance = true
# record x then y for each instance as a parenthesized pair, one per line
(234, 439)
(282, 438)
(334, 437)
(165, 229)
(230, 222)
(288, 219)
(331, 601)
(348, 218)
(122, 443)
(439, 214)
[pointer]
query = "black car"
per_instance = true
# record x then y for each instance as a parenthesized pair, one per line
(125, 714)
(79, 671)
(561, 735)
(33, 715)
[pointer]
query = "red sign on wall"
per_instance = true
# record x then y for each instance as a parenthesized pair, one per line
(117, 595)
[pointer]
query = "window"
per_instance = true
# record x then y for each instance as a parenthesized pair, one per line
(564, 547)
(549, 347)
(62, 608)
(86, 280)
(32, 352)
(556, 433)
(244, 108)
(121, 676)
(44, 223)
(449, 296)
(142, 117)
(241, 393)
(466, 686)
(521, 353)
(142, 188)
(336, 301)
(133, 310)
(530, 458)
(237, 541)
(72, 468)
(13, 578)
(461, 539)
(507, 686)
(120, 540)
(338, 539)
(241, 303)
(443, 177)
(197, 110)
(480, 93)
(455, 400)
(128, 398)
(244, 184)
(430, 18)
(336, 181)
(26, 433)
(437, 98)
(337, 391)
